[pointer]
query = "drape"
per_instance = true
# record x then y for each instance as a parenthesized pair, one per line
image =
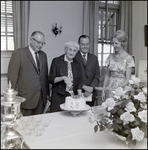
(21, 10)
(125, 22)
(90, 23)
(91, 17)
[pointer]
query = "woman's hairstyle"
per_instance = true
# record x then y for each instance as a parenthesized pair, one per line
(121, 37)
(71, 44)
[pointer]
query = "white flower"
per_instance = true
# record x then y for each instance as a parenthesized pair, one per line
(141, 97)
(110, 103)
(134, 80)
(130, 107)
(131, 82)
(92, 118)
(143, 105)
(143, 115)
(144, 90)
(100, 111)
(109, 114)
(137, 134)
(127, 117)
(125, 96)
(110, 121)
(129, 112)
(118, 92)
(127, 88)
(104, 105)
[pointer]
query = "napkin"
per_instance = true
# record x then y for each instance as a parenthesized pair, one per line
(87, 99)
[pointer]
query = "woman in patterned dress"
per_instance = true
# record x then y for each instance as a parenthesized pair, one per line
(119, 65)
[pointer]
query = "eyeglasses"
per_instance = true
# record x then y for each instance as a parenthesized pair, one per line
(38, 42)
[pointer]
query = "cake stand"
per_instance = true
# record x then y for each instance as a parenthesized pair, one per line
(74, 112)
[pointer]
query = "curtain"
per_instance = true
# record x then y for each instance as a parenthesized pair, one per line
(125, 22)
(21, 10)
(90, 23)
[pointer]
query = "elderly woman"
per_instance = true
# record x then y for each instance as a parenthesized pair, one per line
(64, 76)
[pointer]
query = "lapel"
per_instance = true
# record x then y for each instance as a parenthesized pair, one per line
(29, 55)
(74, 68)
(63, 65)
(88, 59)
(82, 61)
(41, 60)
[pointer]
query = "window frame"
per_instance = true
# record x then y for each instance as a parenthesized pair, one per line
(107, 7)
(7, 22)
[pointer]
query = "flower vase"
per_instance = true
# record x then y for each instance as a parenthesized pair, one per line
(120, 137)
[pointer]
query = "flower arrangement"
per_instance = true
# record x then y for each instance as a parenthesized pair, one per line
(125, 114)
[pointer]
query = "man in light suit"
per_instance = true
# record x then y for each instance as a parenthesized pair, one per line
(29, 75)
(90, 70)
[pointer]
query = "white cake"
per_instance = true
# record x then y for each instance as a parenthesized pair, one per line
(74, 103)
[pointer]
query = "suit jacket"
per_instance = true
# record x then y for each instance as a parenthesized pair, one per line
(59, 68)
(25, 78)
(90, 72)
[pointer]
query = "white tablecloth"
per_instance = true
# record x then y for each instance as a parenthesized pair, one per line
(68, 132)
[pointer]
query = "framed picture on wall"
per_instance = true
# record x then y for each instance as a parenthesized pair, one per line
(133, 69)
(145, 34)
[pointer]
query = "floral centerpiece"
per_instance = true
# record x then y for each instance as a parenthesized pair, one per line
(125, 114)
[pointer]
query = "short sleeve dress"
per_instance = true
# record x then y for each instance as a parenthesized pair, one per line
(118, 71)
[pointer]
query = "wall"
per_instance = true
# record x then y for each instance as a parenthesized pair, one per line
(66, 13)
(5, 57)
(42, 15)
(139, 19)
(69, 14)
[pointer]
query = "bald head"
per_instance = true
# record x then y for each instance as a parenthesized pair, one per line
(37, 40)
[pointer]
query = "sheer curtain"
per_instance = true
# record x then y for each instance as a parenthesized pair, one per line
(21, 10)
(90, 23)
(125, 22)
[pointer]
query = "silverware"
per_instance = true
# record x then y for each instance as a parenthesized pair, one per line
(71, 91)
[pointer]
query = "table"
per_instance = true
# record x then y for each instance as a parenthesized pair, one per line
(68, 132)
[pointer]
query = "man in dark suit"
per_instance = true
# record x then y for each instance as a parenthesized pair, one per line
(28, 74)
(64, 76)
(90, 70)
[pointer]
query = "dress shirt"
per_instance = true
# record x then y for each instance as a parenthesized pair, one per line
(65, 59)
(85, 55)
(33, 54)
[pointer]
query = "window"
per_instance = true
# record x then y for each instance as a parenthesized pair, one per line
(107, 25)
(7, 34)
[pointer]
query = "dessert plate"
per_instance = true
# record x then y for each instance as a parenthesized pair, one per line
(74, 112)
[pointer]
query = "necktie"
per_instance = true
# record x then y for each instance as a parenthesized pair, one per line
(84, 58)
(37, 60)
(70, 75)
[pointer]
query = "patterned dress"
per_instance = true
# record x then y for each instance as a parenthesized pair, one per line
(117, 72)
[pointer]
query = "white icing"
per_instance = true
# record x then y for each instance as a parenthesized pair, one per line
(75, 103)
